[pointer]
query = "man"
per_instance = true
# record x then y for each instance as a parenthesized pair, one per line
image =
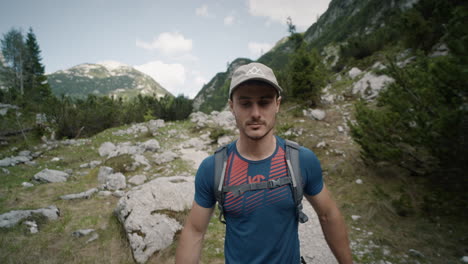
(261, 225)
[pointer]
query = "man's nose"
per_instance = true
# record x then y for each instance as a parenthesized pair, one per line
(255, 111)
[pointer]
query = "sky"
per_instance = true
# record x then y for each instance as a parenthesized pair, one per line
(181, 44)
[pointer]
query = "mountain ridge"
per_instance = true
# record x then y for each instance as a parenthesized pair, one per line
(107, 78)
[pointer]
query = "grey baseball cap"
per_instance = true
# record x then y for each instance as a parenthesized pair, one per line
(253, 71)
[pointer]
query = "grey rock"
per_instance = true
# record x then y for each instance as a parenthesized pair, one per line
(25, 153)
(32, 225)
(115, 181)
(5, 171)
(166, 156)
(154, 125)
(196, 143)
(106, 149)
(104, 193)
(224, 119)
(321, 144)
(49, 176)
(82, 232)
(148, 230)
(223, 140)
(103, 173)
(83, 195)
(370, 85)
(137, 179)
(27, 184)
(118, 194)
(12, 218)
(95, 236)
(139, 160)
(316, 114)
(150, 145)
(354, 72)
(416, 253)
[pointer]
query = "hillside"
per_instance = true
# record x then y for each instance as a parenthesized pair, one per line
(107, 78)
(90, 227)
(213, 95)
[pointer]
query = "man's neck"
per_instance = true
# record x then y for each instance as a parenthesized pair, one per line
(256, 149)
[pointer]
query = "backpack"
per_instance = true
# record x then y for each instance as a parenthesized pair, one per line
(294, 179)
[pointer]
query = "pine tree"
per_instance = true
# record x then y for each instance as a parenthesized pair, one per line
(36, 84)
(14, 52)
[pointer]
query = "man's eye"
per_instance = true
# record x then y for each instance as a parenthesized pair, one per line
(264, 103)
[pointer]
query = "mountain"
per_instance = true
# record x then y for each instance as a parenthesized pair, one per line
(108, 78)
(213, 95)
(342, 20)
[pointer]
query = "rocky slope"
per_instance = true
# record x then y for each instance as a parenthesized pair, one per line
(106, 78)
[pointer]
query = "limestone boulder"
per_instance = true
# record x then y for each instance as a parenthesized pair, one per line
(166, 156)
(103, 173)
(12, 218)
(354, 72)
(49, 176)
(115, 181)
(110, 180)
(141, 212)
(316, 114)
(150, 145)
(106, 149)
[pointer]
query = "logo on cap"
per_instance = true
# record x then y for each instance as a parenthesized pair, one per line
(255, 71)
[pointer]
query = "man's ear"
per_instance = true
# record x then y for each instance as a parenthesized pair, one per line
(278, 103)
(231, 105)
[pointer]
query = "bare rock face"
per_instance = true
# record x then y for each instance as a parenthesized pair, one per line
(370, 85)
(141, 212)
(48, 176)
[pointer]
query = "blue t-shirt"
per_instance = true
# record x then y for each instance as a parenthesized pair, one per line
(261, 225)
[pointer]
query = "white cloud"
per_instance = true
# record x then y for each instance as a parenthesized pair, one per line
(202, 11)
(229, 20)
(198, 79)
(303, 12)
(168, 43)
(176, 78)
(170, 76)
(258, 49)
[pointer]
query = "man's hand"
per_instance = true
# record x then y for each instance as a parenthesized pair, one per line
(190, 242)
(333, 225)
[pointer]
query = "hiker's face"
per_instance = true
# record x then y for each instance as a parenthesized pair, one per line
(255, 106)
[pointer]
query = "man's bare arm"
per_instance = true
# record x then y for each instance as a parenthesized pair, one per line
(333, 225)
(190, 242)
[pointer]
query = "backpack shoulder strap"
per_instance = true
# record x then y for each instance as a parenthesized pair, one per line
(220, 157)
(292, 160)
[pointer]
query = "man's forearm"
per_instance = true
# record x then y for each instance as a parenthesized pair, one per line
(189, 247)
(334, 229)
